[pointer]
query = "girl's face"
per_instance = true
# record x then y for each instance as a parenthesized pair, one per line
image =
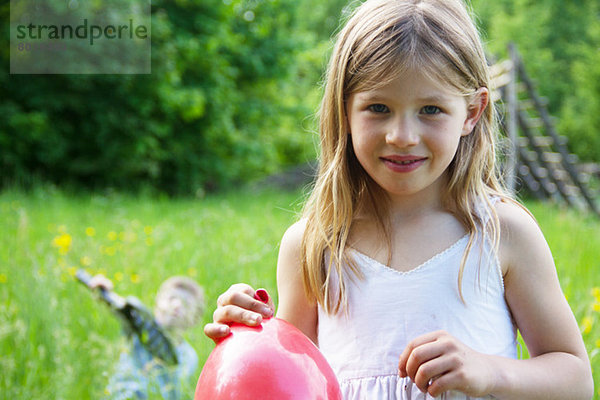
(406, 133)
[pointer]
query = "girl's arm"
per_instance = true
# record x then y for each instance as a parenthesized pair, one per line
(294, 306)
(238, 303)
(558, 368)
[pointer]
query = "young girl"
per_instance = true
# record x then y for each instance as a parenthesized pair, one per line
(412, 268)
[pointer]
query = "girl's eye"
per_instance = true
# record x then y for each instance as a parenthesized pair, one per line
(430, 110)
(378, 108)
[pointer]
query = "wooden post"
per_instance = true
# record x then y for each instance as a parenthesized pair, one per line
(511, 123)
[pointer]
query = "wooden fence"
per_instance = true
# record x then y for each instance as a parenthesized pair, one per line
(538, 159)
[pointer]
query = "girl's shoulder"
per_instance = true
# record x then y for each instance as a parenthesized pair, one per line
(294, 233)
(520, 235)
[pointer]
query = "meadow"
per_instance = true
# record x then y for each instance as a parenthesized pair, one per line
(58, 342)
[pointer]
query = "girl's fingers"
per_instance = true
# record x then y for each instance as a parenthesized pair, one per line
(231, 314)
(431, 371)
(411, 347)
(243, 296)
(239, 304)
(216, 331)
(422, 363)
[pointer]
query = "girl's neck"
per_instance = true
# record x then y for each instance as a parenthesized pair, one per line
(417, 205)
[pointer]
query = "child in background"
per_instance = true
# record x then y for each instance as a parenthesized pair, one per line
(139, 375)
(412, 268)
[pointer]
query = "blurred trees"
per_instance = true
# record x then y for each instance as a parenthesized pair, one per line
(560, 44)
(219, 107)
(233, 89)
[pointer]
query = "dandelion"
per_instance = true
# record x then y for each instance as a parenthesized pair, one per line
(63, 242)
(112, 235)
(72, 271)
(596, 293)
(85, 261)
(149, 242)
(110, 251)
(596, 307)
(598, 343)
(118, 276)
(135, 278)
(191, 272)
(148, 230)
(586, 325)
(90, 231)
(3, 278)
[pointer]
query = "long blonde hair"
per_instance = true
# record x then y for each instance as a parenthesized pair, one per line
(381, 40)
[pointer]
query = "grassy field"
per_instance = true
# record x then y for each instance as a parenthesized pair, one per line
(57, 342)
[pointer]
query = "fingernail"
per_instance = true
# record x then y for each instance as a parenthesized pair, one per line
(253, 319)
(266, 311)
(223, 329)
(262, 295)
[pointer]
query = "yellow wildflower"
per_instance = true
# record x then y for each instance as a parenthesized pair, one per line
(90, 231)
(85, 261)
(118, 276)
(596, 293)
(110, 251)
(148, 230)
(149, 241)
(3, 278)
(63, 242)
(135, 278)
(598, 343)
(596, 307)
(191, 272)
(586, 325)
(112, 235)
(72, 271)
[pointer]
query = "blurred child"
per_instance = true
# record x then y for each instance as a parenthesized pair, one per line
(139, 374)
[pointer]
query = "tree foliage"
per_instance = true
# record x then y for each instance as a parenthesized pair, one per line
(216, 109)
(234, 86)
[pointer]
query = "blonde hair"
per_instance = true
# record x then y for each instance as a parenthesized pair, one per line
(194, 293)
(382, 40)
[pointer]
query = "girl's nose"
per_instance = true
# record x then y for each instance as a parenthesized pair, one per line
(402, 133)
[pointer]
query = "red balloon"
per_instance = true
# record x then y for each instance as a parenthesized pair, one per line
(272, 361)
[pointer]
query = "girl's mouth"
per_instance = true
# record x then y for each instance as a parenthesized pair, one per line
(403, 163)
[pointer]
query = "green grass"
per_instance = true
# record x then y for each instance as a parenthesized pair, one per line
(57, 342)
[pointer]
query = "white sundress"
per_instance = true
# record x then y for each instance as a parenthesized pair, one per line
(389, 308)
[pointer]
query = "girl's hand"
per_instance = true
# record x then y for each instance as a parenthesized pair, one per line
(237, 304)
(437, 362)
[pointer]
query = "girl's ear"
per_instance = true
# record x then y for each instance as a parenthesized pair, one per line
(475, 109)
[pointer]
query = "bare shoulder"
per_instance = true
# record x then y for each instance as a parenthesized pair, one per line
(291, 244)
(293, 235)
(521, 238)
